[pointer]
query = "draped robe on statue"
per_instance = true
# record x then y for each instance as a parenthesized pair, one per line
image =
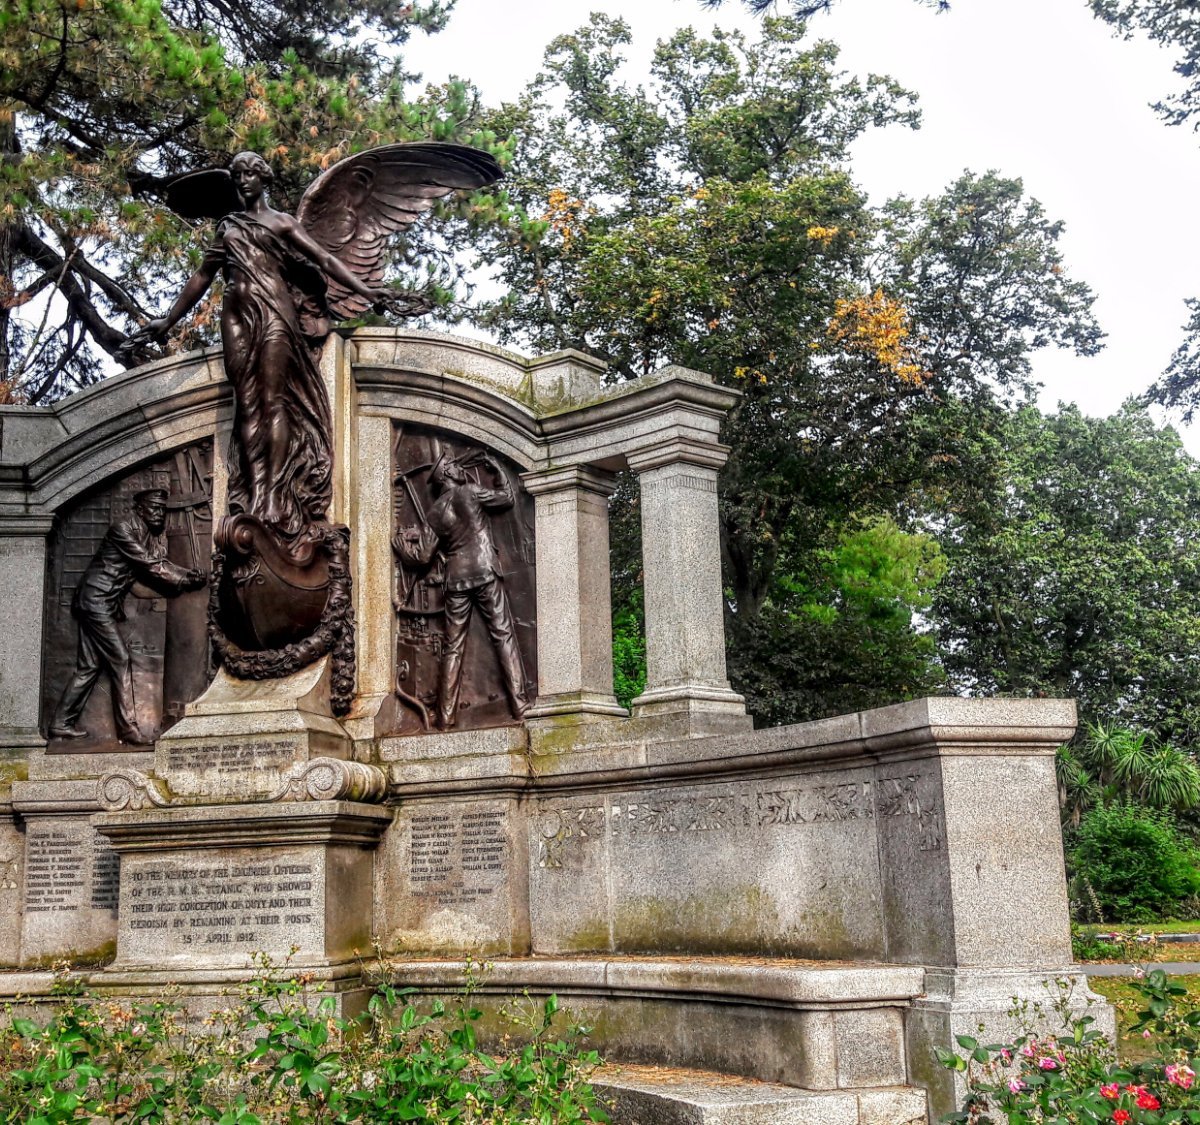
(274, 320)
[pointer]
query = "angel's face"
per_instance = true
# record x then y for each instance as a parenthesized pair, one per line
(248, 181)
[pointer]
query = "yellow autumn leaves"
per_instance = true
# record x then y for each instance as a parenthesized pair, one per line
(877, 326)
(563, 214)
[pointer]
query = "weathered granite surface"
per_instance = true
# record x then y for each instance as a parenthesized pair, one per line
(69, 877)
(658, 1096)
(241, 737)
(202, 889)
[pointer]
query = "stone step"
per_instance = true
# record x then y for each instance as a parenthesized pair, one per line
(654, 1095)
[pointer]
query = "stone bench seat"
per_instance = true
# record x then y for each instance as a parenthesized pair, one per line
(816, 1025)
(777, 980)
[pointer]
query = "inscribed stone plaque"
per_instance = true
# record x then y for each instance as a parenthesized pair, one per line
(70, 890)
(784, 865)
(451, 877)
(248, 767)
(215, 906)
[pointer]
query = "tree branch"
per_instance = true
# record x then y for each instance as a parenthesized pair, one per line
(78, 302)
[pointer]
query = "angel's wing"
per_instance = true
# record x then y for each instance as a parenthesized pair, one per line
(353, 207)
(208, 194)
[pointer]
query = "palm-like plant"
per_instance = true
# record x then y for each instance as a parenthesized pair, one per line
(1117, 764)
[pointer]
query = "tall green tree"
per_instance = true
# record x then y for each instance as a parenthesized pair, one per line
(1079, 575)
(102, 102)
(710, 218)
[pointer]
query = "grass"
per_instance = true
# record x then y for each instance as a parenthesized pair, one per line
(1145, 927)
(1121, 943)
(1124, 997)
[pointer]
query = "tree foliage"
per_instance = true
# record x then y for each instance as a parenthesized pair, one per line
(710, 218)
(837, 633)
(1077, 572)
(803, 9)
(102, 102)
(1174, 24)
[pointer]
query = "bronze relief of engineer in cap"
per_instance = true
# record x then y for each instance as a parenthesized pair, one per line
(131, 551)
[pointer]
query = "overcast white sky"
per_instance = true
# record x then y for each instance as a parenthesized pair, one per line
(1034, 88)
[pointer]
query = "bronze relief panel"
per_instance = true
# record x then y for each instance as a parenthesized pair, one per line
(125, 643)
(464, 594)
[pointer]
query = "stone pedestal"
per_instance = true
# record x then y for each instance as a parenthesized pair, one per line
(68, 880)
(685, 629)
(242, 738)
(575, 669)
(206, 888)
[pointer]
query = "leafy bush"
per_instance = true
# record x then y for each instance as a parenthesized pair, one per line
(629, 651)
(1137, 864)
(275, 1057)
(1076, 1077)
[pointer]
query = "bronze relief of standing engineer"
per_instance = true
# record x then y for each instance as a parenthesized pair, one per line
(281, 596)
(458, 526)
(131, 551)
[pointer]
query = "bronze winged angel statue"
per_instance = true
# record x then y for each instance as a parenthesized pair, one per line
(283, 600)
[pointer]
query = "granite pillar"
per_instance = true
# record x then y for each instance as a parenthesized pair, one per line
(575, 670)
(978, 898)
(685, 628)
(372, 571)
(22, 593)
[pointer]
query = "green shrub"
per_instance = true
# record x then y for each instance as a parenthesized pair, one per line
(1137, 863)
(629, 651)
(279, 1056)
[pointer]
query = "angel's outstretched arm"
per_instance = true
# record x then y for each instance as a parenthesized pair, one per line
(193, 289)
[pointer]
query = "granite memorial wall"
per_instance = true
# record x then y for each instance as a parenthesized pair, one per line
(753, 902)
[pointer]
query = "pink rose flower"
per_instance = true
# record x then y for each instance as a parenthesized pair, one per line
(1181, 1075)
(1015, 1085)
(1111, 1091)
(1048, 1064)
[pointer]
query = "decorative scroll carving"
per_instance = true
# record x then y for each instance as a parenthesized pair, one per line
(128, 790)
(333, 779)
(465, 598)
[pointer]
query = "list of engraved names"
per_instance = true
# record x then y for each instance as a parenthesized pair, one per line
(54, 879)
(456, 857)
